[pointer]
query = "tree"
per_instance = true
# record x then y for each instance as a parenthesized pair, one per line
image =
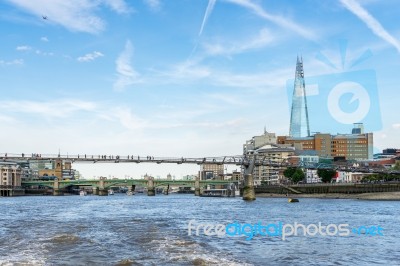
(326, 175)
(294, 174)
(298, 176)
(288, 173)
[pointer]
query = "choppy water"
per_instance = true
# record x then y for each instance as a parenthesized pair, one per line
(141, 230)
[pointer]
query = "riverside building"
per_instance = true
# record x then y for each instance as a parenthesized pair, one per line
(358, 146)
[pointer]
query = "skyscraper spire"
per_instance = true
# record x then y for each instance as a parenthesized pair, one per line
(299, 112)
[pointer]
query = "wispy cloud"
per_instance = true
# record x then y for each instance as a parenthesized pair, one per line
(154, 5)
(44, 39)
(13, 62)
(188, 70)
(23, 48)
(7, 119)
(127, 119)
(226, 99)
(278, 20)
(267, 82)
(126, 75)
(71, 14)
(89, 57)
(371, 22)
(39, 52)
(119, 6)
(208, 12)
(191, 71)
(261, 40)
(60, 108)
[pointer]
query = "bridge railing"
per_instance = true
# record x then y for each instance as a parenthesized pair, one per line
(240, 160)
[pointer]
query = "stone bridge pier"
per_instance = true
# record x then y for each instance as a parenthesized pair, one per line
(131, 189)
(248, 188)
(102, 190)
(166, 191)
(151, 190)
(56, 188)
(197, 186)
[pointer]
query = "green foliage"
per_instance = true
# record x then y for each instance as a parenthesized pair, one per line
(298, 175)
(396, 166)
(380, 177)
(326, 175)
(294, 174)
(289, 172)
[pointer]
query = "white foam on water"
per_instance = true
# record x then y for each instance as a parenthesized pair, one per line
(175, 250)
(31, 257)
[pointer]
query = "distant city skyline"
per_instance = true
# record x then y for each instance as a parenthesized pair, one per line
(179, 78)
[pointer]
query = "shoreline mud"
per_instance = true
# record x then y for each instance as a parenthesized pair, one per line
(389, 196)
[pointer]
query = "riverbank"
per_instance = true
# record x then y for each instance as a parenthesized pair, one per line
(362, 196)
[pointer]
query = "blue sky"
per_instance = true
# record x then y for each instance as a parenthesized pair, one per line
(181, 78)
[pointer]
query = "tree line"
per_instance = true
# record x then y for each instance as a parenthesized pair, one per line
(296, 174)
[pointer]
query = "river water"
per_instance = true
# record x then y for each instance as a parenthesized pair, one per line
(142, 230)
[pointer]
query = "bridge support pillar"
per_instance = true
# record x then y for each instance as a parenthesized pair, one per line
(166, 191)
(103, 192)
(248, 189)
(95, 191)
(197, 186)
(151, 190)
(56, 188)
(131, 190)
(58, 192)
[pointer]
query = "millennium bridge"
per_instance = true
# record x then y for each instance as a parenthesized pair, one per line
(240, 160)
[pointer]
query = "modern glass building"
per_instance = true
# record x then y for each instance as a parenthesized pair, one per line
(299, 124)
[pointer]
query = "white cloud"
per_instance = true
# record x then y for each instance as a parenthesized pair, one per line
(44, 39)
(6, 119)
(71, 14)
(264, 38)
(191, 71)
(126, 75)
(118, 6)
(90, 56)
(396, 126)
(208, 12)
(128, 119)
(38, 52)
(13, 62)
(267, 82)
(278, 20)
(23, 48)
(371, 22)
(188, 70)
(52, 109)
(154, 5)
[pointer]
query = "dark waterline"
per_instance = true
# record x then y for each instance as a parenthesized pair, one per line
(141, 230)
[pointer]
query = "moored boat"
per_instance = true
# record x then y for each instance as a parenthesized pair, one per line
(215, 193)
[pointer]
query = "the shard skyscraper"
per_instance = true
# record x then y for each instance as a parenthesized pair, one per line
(299, 125)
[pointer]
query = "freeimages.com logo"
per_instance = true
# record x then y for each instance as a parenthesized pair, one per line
(337, 100)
